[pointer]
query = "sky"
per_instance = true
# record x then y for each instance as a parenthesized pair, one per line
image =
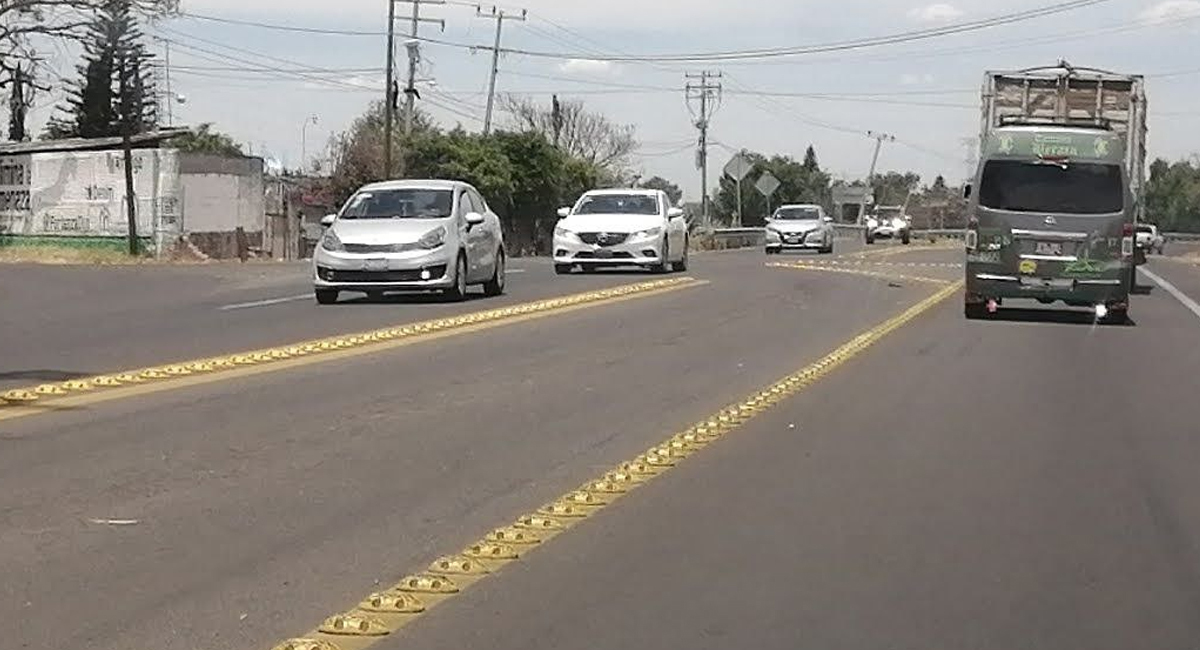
(284, 93)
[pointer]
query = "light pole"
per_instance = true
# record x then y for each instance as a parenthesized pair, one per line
(171, 98)
(311, 119)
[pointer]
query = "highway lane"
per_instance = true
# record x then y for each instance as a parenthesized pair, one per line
(1035, 486)
(256, 506)
(63, 322)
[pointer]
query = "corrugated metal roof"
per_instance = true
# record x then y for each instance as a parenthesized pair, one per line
(88, 144)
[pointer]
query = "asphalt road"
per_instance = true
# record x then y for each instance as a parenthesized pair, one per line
(1026, 482)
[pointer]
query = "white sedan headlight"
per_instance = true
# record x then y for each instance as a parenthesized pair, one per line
(872, 223)
(649, 233)
(433, 239)
(330, 242)
(898, 223)
(559, 231)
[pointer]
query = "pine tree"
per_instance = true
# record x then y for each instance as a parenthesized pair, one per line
(115, 93)
(810, 160)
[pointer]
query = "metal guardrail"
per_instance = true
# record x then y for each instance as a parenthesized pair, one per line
(948, 233)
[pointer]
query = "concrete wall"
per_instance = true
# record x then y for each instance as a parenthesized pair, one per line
(82, 194)
(222, 194)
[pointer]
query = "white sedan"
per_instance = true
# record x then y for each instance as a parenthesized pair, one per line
(621, 228)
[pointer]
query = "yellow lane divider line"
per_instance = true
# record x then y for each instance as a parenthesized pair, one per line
(863, 272)
(82, 392)
(890, 251)
(388, 610)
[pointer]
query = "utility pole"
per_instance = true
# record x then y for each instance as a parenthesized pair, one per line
(311, 119)
(389, 103)
(126, 122)
(499, 16)
(879, 139)
(414, 58)
(167, 76)
(701, 87)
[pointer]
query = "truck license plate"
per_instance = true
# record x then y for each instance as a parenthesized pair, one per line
(1049, 248)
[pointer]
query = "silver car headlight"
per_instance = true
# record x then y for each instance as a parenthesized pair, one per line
(433, 239)
(330, 242)
(898, 223)
(872, 223)
(648, 233)
(559, 231)
(771, 232)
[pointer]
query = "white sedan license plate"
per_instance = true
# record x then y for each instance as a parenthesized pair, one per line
(377, 265)
(1049, 248)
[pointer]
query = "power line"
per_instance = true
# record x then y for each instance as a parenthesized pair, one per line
(734, 55)
(776, 52)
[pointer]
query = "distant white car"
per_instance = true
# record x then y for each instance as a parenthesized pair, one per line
(411, 235)
(629, 227)
(799, 227)
(889, 222)
(1149, 239)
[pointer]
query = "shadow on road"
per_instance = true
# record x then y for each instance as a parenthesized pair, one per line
(1052, 316)
(42, 375)
(411, 299)
(1142, 290)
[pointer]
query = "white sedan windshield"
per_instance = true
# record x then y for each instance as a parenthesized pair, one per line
(618, 204)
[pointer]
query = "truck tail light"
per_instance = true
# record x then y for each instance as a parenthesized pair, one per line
(971, 238)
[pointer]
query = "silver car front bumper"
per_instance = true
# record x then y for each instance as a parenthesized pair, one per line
(413, 270)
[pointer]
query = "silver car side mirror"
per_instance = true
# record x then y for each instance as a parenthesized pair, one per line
(564, 212)
(328, 220)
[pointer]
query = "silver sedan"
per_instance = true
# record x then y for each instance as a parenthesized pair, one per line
(412, 235)
(800, 227)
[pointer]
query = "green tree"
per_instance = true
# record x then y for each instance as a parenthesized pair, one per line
(1172, 198)
(583, 134)
(659, 183)
(358, 152)
(27, 26)
(893, 188)
(115, 93)
(810, 160)
(203, 139)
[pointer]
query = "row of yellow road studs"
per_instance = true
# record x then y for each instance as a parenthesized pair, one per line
(386, 611)
(48, 392)
(898, 277)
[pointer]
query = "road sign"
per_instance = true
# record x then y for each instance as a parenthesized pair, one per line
(739, 167)
(845, 194)
(767, 184)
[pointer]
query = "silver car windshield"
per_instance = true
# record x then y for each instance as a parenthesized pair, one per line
(400, 204)
(618, 204)
(798, 214)
(1062, 188)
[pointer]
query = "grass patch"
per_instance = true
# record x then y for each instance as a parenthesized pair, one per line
(67, 255)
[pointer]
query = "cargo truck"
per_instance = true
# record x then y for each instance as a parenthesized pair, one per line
(1058, 192)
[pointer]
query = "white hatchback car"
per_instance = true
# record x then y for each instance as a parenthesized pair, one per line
(631, 227)
(411, 235)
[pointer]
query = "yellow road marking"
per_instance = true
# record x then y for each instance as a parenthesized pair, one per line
(392, 608)
(863, 272)
(890, 251)
(75, 394)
